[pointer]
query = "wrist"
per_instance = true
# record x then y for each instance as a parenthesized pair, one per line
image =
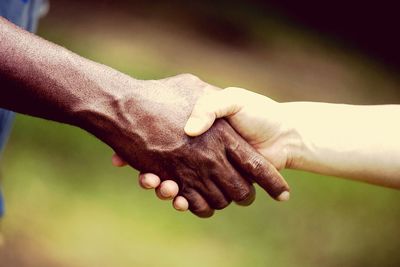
(109, 105)
(317, 133)
(297, 142)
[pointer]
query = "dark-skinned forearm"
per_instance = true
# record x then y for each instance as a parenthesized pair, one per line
(45, 80)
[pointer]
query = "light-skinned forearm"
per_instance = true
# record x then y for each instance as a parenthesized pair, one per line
(358, 142)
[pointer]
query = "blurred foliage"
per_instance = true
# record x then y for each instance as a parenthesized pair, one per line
(67, 206)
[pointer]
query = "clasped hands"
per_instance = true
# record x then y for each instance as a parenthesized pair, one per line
(206, 162)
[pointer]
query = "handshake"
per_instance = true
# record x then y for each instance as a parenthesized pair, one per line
(211, 163)
(205, 161)
(207, 145)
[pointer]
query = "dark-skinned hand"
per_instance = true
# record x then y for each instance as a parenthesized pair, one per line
(211, 170)
(142, 121)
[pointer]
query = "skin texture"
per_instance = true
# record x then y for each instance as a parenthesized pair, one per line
(208, 168)
(142, 121)
(258, 119)
(356, 142)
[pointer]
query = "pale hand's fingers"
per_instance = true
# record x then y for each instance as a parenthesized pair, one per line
(211, 106)
(117, 161)
(180, 203)
(149, 180)
(167, 190)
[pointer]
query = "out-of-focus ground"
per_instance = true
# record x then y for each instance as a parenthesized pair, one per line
(66, 205)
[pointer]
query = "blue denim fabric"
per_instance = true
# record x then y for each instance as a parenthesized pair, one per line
(24, 13)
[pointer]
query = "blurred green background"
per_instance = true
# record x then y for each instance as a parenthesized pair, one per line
(67, 206)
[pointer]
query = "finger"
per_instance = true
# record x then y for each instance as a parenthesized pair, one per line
(180, 203)
(197, 204)
(256, 167)
(117, 161)
(215, 198)
(210, 106)
(234, 185)
(249, 199)
(149, 180)
(167, 190)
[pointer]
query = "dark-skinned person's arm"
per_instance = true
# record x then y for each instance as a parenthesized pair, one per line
(140, 120)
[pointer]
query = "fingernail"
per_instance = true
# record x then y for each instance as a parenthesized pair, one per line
(284, 196)
(193, 126)
(165, 193)
(149, 180)
(180, 204)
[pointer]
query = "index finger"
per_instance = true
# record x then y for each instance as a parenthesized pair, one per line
(254, 166)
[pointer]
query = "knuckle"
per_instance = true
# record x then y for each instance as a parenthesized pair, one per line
(220, 126)
(249, 199)
(256, 163)
(197, 205)
(233, 146)
(243, 195)
(187, 76)
(219, 204)
(201, 211)
(230, 138)
(210, 148)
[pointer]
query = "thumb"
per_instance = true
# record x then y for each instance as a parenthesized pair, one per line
(211, 106)
(197, 125)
